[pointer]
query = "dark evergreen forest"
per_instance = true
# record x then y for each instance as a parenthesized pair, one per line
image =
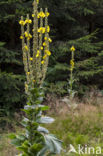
(72, 22)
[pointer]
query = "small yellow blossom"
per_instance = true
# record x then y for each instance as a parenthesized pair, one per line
(21, 37)
(31, 59)
(26, 47)
(34, 81)
(33, 15)
(26, 34)
(37, 1)
(28, 73)
(38, 54)
(72, 48)
(41, 48)
(44, 44)
(41, 14)
(29, 37)
(44, 56)
(21, 22)
(28, 21)
(47, 14)
(45, 38)
(48, 52)
(42, 62)
(41, 30)
(48, 29)
(72, 63)
(50, 40)
(38, 16)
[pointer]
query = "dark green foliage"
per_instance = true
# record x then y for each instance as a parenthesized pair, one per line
(11, 83)
(11, 88)
(72, 22)
(11, 69)
(77, 23)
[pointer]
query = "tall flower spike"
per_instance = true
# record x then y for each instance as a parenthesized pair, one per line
(46, 47)
(24, 50)
(40, 45)
(71, 92)
(40, 52)
(28, 43)
(35, 38)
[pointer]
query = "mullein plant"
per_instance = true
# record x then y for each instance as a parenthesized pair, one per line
(36, 140)
(71, 80)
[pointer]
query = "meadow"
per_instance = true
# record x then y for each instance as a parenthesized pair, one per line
(82, 125)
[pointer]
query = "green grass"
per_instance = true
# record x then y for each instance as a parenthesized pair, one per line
(6, 149)
(82, 126)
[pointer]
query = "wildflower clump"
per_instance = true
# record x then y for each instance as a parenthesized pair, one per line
(36, 141)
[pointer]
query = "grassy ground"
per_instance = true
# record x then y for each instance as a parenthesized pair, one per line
(84, 126)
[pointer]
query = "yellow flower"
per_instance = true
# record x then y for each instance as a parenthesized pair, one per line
(50, 40)
(21, 37)
(45, 38)
(72, 48)
(38, 16)
(47, 14)
(44, 44)
(48, 29)
(26, 47)
(33, 15)
(31, 59)
(26, 34)
(41, 48)
(30, 35)
(42, 62)
(41, 30)
(21, 22)
(38, 53)
(44, 56)
(28, 73)
(48, 52)
(28, 21)
(72, 63)
(37, 1)
(41, 14)
(34, 81)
